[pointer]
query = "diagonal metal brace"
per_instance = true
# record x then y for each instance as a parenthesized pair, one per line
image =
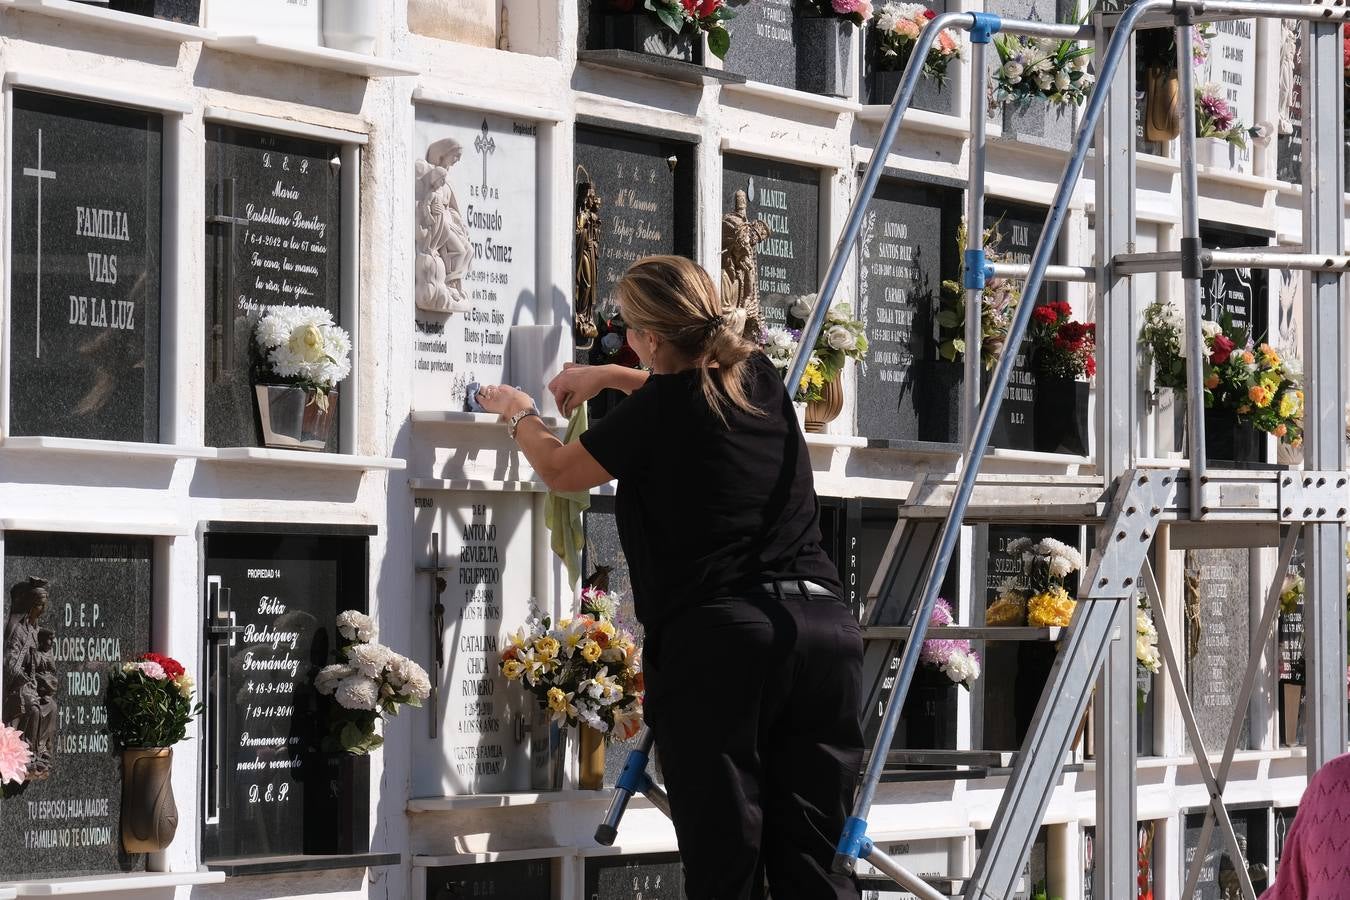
(1133, 519)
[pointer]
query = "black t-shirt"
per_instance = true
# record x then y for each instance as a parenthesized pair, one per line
(704, 509)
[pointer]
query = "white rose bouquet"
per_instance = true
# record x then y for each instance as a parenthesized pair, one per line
(841, 338)
(584, 670)
(301, 345)
(369, 685)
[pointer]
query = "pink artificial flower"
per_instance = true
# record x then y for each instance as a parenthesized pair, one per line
(942, 613)
(844, 7)
(14, 755)
(152, 669)
(907, 28)
(946, 43)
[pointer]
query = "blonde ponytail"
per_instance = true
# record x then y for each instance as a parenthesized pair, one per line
(675, 299)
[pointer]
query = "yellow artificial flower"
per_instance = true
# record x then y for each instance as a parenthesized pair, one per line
(1008, 609)
(306, 342)
(1053, 608)
(557, 700)
(1269, 356)
(1260, 395)
(512, 669)
(606, 627)
(590, 651)
(547, 648)
(1289, 405)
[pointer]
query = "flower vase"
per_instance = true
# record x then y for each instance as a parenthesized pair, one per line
(645, 33)
(1291, 708)
(1162, 104)
(350, 25)
(822, 412)
(929, 713)
(592, 746)
(1060, 415)
(294, 418)
(149, 815)
(1216, 153)
(825, 63)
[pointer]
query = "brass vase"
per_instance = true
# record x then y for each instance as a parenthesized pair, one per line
(592, 776)
(1162, 104)
(149, 815)
(822, 412)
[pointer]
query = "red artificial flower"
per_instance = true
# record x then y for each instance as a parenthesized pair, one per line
(1090, 366)
(1044, 315)
(1220, 350)
(172, 667)
(929, 14)
(700, 9)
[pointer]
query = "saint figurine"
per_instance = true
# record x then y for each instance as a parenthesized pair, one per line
(587, 247)
(29, 671)
(740, 268)
(444, 250)
(1289, 32)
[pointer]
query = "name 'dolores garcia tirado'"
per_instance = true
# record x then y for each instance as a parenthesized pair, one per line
(93, 311)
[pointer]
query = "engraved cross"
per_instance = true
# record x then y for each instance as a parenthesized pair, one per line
(485, 145)
(41, 175)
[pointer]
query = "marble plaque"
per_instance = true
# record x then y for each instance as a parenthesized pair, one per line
(85, 274)
(646, 876)
(273, 215)
(270, 787)
(786, 198)
(1289, 105)
(94, 613)
(463, 21)
(1218, 634)
(475, 235)
(288, 21)
(485, 723)
(520, 879)
(1218, 875)
(1232, 66)
(763, 41)
(906, 248)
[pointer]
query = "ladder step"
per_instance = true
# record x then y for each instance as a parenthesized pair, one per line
(1006, 633)
(906, 776)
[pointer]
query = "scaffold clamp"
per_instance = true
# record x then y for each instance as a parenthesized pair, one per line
(853, 843)
(986, 25)
(977, 270)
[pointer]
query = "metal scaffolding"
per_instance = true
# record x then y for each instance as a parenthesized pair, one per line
(1131, 503)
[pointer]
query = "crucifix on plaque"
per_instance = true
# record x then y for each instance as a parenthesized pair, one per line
(222, 332)
(41, 175)
(437, 572)
(485, 145)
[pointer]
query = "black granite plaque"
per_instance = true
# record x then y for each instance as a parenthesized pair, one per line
(57, 656)
(647, 188)
(274, 209)
(1217, 639)
(85, 269)
(786, 198)
(648, 876)
(1019, 230)
(764, 41)
(1218, 875)
(604, 554)
(1284, 820)
(1236, 295)
(269, 789)
(907, 247)
(1291, 626)
(1014, 673)
(521, 879)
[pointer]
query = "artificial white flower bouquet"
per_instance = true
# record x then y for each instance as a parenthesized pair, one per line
(369, 686)
(584, 670)
(301, 346)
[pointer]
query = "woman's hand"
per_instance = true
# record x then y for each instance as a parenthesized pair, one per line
(503, 400)
(576, 384)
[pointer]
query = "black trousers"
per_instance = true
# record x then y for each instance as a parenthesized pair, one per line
(755, 709)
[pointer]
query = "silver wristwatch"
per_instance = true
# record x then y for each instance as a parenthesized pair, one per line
(519, 417)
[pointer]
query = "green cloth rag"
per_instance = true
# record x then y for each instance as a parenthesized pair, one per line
(562, 512)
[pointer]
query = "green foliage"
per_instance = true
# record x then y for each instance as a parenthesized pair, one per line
(146, 712)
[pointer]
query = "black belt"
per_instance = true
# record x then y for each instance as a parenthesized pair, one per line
(800, 589)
